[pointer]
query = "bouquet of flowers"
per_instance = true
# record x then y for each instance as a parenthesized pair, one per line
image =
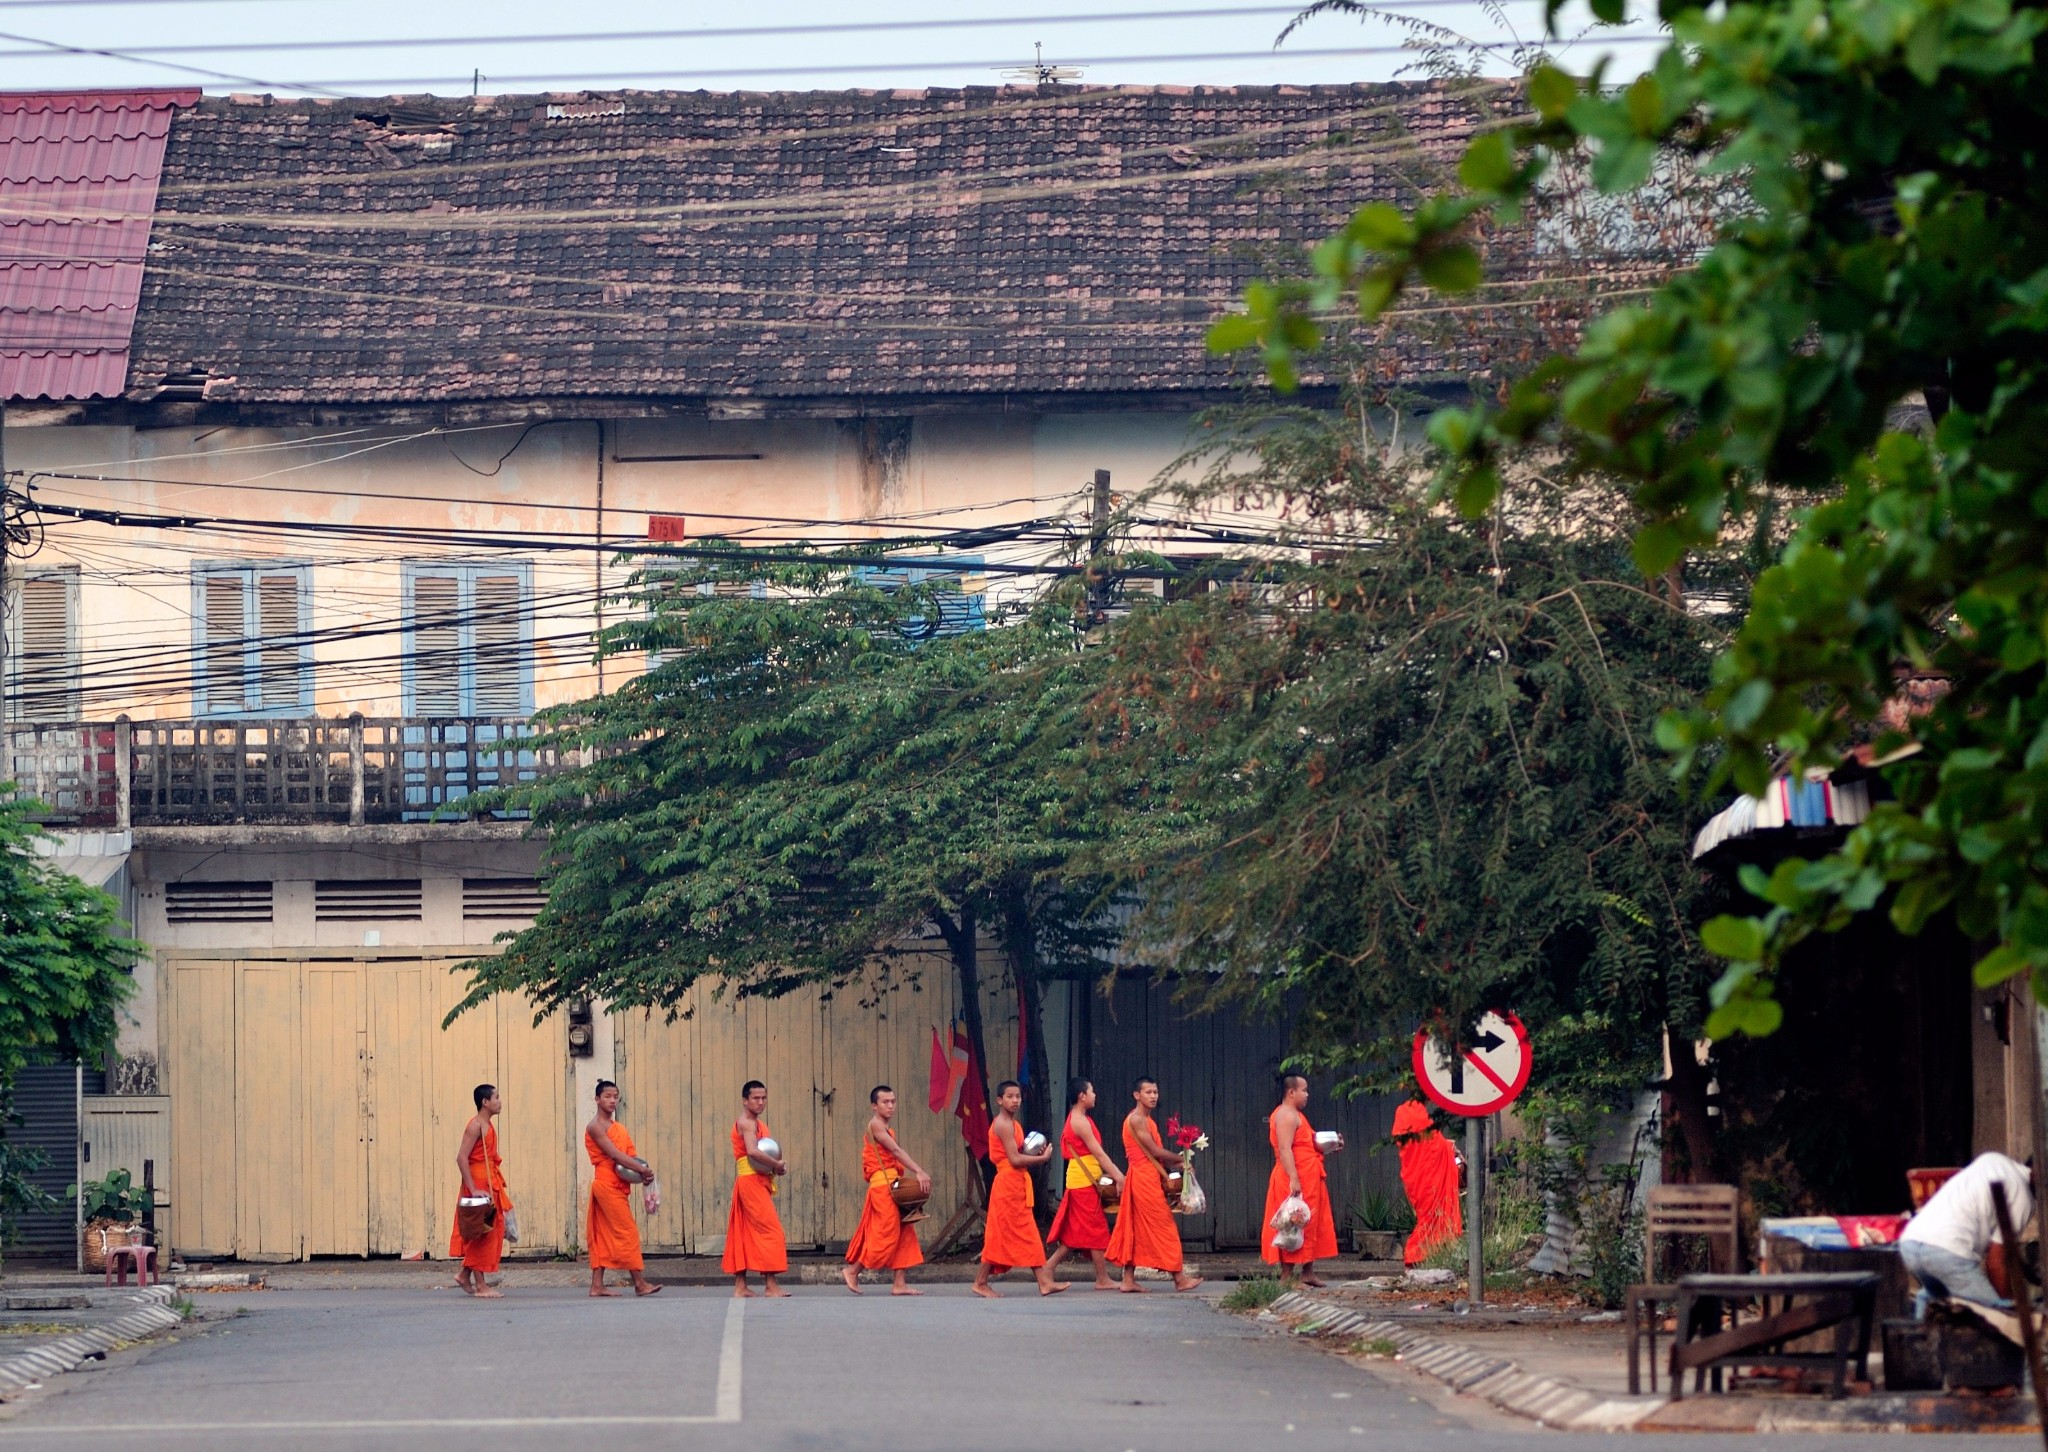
(1187, 1138)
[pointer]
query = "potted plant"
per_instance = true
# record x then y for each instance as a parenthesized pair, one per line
(1383, 1222)
(110, 1207)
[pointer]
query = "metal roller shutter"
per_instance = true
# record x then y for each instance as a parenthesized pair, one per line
(46, 1099)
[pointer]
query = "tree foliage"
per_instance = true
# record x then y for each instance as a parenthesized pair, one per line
(64, 973)
(1868, 329)
(805, 777)
(1424, 751)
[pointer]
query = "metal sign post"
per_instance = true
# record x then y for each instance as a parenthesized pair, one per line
(1475, 1205)
(1488, 1069)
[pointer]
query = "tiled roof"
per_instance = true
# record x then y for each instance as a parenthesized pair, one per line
(78, 179)
(749, 245)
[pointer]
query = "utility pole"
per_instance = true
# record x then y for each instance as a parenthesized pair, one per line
(1098, 548)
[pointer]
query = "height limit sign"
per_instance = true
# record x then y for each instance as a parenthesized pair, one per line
(1486, 1073)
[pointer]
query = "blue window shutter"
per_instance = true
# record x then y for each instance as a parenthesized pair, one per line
(954, 595)
(468, 639)
(252, 650)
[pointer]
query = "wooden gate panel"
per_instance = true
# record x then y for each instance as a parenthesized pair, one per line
(199, 1076)
(539, 1130)
(334, 1194)
(269, 1112)
(412, 1180)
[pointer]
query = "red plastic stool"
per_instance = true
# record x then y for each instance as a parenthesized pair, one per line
(120, 1257)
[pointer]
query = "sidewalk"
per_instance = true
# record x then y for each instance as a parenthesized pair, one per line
(673, 1270)
(47, 1331)
(1567, 1369)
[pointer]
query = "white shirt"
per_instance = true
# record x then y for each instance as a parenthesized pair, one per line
(1960, 1218)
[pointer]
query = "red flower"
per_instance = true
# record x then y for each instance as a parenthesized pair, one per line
(1182, 1135)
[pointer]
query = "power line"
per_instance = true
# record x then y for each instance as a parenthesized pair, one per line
(732, 73)
(864, 27)
(51, 49)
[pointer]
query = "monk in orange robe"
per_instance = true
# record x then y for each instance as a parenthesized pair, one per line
(1145, 1233)
(1298, 1169)
(483, 1173)
(753, 1231)
(1010, 1240)
(1082, 1224)
(1429, 1175)
(616, 1166)
(882, 1241)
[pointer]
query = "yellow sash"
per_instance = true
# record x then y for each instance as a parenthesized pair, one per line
(1082, 1173)
(747, 1168)
(885, 1177)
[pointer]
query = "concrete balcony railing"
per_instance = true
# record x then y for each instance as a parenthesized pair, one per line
(354, 770)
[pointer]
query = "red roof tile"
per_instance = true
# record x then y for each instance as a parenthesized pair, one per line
(78, 181)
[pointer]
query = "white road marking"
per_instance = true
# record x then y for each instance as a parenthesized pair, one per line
(729, 1363)
(727, 1410)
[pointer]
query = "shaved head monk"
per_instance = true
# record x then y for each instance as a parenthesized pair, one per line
(882, 1241)
(1298, 1169)
(483, 1173)
(1011, 1239)
(1145, 1233)
(1082, 1223)
(616, 1166)
(753, 1231)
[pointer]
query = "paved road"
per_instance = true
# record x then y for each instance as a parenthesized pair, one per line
(548, 1369)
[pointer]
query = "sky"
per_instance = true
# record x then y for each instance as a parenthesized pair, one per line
(381, 47)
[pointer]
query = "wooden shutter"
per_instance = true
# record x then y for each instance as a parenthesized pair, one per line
(436, 645)
(282, 652)
(46, 681)
(500, 654)
(227, 638)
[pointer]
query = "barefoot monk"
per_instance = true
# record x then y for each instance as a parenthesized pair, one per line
(616, 1166)
(753, 1231)
(882, 1241)
(1082, 1224)
(1298, 1169)
(1145, 1233)
(1011, 1238)
(483, 1173)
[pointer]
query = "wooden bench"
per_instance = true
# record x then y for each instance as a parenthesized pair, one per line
(1844, 1301)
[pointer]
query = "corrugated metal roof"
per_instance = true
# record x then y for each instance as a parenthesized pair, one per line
(78, 180)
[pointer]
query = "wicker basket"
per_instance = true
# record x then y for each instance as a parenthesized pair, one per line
(101, 1233)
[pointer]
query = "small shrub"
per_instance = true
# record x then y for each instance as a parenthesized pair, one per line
(1253, 1295)
(1380, 1346)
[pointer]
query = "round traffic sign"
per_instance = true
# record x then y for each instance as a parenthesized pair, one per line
(1489, 1071)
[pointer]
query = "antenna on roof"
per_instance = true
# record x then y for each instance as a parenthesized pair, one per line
(1039, 72)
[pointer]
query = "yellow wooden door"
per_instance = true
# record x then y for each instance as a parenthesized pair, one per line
(335, 1062)
(199, 1077)
(269, 1112)
(412, 1178)
(540, 1130)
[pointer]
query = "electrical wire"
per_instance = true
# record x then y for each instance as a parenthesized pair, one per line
(851, 27)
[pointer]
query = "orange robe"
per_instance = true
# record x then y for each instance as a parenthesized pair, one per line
(1319, 1236)
(882, 1241)
(613, 1238)
(753, 1231)
(487, 1172)
(1011, 1239)
(1429, 1175)
(1081, 1223)
(1145, 1233)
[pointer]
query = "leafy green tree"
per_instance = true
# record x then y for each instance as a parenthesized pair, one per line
(1424, 749)
(64, 973)
(1866, 329)
(804, 778)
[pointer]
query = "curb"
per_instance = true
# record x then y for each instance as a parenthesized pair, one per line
(1543, 1399)
(29, 1369)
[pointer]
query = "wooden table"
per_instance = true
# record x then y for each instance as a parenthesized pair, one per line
(1842, 1301)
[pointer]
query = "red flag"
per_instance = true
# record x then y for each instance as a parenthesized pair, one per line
(973, 1106)
(940, 1096)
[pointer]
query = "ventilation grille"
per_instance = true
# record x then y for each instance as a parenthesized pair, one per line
(392, 900)
(502, 897)
(217, 902)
